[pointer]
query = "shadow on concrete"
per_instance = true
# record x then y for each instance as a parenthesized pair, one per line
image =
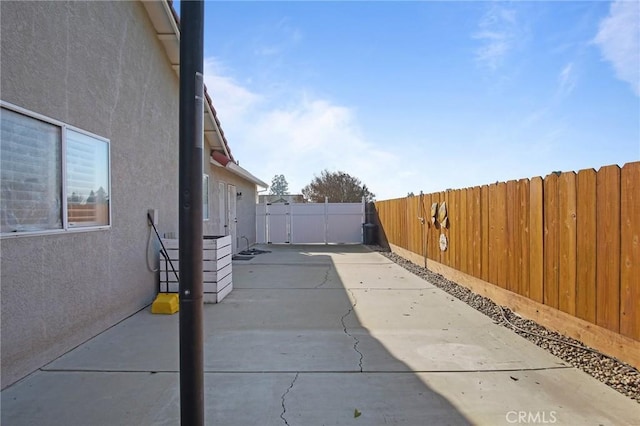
(293, 314)
(315, 335)
(284, 348)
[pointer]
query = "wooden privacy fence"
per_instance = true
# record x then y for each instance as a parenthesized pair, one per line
(568, 241)
(92, 214)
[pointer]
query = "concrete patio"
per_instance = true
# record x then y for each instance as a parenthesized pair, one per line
(309, 335)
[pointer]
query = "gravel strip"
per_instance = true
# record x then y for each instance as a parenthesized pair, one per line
(615, 374)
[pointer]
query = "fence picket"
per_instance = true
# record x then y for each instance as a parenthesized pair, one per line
(512, 234)
(501, 235)
(464, 232)
(524, 237)
(455, 228)
(476, 220)
(608, 248)
(434, 231)
(567, 243)
(484, 235)
(630, 251)
(444, 255)
(492, 236)
(586, 245)
(550, 191)
(536, 239)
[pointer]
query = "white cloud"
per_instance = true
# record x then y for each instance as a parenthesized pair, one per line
(299, 136)
(312, 135)
(230, 99)
(267, 50)
(498, 34)
(619, 41)
(535, 117)
(567, 79)
(282, 36)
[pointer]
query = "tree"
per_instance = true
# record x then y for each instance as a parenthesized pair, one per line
(75, 198)
(339, 187)
(279, 185)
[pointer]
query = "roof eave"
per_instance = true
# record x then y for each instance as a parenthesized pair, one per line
(237, 170)
(167, 26)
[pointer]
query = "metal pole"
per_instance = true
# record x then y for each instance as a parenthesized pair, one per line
(190, 213)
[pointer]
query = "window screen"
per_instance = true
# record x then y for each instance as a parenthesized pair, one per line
(30, 159)
(87, 180)
(35, 190)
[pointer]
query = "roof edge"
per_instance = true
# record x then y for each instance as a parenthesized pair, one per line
(217, 158)
(210, 110)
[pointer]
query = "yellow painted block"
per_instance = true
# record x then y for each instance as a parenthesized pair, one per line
(165, 303)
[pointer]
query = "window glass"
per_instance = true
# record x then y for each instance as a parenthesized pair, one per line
(205, 197)
(30, 164)
(87, 180)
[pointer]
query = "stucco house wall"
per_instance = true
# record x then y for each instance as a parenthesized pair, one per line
(97, 66)
(246, 193)
(246, 211)
(245, 207)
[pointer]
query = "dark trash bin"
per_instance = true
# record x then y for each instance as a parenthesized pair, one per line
(369, 233)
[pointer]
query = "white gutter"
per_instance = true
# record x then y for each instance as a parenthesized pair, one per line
(239, 171)
(236, 169)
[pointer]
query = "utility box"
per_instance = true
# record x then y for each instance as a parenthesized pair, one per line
(369, 234)
(216, 267)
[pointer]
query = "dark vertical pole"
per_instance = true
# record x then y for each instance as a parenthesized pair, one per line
(190, 216)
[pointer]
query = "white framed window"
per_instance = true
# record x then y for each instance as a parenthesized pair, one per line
(53, 177)
(205, 197)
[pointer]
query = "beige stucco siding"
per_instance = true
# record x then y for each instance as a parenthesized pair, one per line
(245, 205)
(97, 66)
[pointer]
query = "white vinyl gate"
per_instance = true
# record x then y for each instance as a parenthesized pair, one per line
(308, 223)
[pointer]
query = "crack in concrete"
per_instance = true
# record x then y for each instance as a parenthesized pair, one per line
(326, 278)
(284, 395)
(344, 327)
